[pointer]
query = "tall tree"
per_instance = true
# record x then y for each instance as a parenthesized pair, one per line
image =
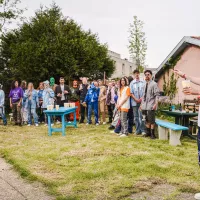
(137, 43)
(52, 45)
(9, 12)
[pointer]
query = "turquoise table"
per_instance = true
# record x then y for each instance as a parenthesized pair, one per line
(61, 112)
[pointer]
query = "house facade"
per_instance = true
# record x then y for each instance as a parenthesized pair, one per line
(188, 49)
(123, 67)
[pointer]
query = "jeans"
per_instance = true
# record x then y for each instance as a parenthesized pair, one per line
(3, 115)
(111, 108)
(139, 124)
(32, 112)
(93, 106)
(82, 111)
(124, 122)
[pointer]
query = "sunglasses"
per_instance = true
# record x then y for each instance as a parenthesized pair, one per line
(147, 74)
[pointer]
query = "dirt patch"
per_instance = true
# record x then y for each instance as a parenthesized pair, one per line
(159, 191)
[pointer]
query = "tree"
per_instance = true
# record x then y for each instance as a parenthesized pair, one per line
(9, 11)
(137, 43)
(52, 45)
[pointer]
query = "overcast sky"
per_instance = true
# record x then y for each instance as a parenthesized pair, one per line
(166, 21)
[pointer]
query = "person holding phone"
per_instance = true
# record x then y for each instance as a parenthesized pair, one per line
(149, 103)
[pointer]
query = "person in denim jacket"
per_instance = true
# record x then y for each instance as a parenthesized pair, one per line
(31, 103)
(92, 101)
(2, 108)
(137, 88)
(48, 98)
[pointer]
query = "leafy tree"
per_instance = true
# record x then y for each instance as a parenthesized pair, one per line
(52, 45)
(137, 43)
(9, 11)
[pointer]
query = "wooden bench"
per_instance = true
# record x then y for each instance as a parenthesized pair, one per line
(174, 130)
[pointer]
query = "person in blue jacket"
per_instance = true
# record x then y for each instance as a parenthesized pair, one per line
(91, 100)
(31, 103)
(2, 108)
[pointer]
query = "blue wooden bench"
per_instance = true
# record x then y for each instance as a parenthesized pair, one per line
(175, 131)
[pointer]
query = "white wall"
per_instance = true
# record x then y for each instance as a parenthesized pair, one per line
(123, 67)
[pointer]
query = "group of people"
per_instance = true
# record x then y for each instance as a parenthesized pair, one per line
(127, 101)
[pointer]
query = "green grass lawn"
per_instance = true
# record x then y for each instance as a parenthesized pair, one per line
(92, 163)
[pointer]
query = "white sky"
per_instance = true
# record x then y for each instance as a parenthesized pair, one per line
(166, 21)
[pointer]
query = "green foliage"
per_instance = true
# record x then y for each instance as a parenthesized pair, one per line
(52, 45)
(169, 87)
(137, 43)
(9, 11)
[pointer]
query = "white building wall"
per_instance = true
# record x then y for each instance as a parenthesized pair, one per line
(123, 67)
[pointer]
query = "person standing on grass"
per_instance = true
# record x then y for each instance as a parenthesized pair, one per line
(137, 87)
(149, 103)
(83, 89)
(102, 102)
(2, 108)
(191, 91)
(48, 98)
(62, 94)
(16, 96)
(123, 104)
(40, 93)
(31, 103)
(91, 100)
(110, 102)
(24, 111)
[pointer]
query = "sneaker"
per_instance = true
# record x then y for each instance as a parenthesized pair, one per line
(28, 125)
(111, 127)
(52, 124)
(104, 123)
(120, 134)
(197, 196)
(143, 133)
(57, 122)
(36, 124)
(87, 124)
(97, 124)
(45, 124)
(112, 131)
(123, 135)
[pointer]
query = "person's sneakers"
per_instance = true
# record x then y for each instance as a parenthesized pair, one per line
(36, 124)
(87, 124)
(143, 133)
(52, 124)
(123, 135)
(5, 124)
(57, 122)
(111, 127)
(45, 124)
(28, 125)
(97, 124)
(112, 131)
(104, 123)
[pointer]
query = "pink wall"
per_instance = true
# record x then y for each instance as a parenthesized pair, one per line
(190, 64)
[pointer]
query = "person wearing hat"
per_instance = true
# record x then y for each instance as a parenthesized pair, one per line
(2, 108)
(48, 97)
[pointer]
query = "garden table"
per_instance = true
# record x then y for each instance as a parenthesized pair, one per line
(182, 118)
(61, 112)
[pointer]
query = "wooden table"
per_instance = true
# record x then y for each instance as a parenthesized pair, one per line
(61, 112)
(182, 118)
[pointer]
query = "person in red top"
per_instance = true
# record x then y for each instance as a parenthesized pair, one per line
(123, 104)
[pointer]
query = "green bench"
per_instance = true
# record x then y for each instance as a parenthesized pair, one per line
(175, 131)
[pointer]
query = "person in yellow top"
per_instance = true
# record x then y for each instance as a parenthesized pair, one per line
(123, 104)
